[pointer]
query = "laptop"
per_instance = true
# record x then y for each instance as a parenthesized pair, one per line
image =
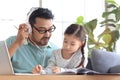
(5, 62)
(6, 67)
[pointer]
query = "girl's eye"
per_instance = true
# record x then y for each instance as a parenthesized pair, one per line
(72, 44)
(65, 41)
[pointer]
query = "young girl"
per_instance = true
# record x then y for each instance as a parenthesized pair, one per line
(71, 56)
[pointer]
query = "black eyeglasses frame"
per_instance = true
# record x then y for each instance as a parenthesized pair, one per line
(44, 31)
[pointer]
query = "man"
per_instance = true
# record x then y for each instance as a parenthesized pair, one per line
(38, 48)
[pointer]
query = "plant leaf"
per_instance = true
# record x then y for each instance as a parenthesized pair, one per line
(115, 35)
(80, 20)
(112, 2)
(107, 38)
(108, 20)
(91, 25)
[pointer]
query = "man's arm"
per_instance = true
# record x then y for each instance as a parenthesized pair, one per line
(12, 48)
(22, 35)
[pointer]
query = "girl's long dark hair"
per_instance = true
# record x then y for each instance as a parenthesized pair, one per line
(79, 32)
(83, 57)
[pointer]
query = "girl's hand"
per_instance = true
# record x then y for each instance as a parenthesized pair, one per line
(56, 69)
(37, 69)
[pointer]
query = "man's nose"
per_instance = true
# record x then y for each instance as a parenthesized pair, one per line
(47, 34)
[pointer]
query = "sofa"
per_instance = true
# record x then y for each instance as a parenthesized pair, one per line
(104, 61)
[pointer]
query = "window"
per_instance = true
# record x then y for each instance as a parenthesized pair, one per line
(12, 13)
(66, 12)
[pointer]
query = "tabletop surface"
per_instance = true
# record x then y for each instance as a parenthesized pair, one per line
(60, 77)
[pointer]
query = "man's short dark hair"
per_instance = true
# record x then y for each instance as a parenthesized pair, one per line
(40, 13)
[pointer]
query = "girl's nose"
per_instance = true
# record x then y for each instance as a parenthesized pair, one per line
(67, 46)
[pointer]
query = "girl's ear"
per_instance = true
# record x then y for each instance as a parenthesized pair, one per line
(83, 42)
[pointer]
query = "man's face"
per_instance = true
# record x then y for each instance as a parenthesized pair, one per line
(41, 31)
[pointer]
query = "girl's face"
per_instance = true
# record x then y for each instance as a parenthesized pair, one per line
(71, 44)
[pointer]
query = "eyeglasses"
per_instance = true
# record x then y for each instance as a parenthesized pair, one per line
(43, 30)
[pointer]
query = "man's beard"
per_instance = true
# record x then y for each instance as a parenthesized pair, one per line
(44, 41)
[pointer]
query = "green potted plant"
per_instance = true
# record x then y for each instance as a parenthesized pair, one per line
(106, 40)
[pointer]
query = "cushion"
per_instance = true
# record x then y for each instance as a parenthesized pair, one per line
(114, 69)
(102, 61)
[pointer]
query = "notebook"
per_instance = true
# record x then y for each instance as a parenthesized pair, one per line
(5, 62)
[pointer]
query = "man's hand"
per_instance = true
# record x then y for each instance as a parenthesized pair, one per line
(37, 69)
(23, 33)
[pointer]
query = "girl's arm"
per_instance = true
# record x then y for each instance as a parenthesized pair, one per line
(51, 63)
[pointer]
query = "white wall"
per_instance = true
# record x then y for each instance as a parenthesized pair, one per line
(13, 12)
(65, 11)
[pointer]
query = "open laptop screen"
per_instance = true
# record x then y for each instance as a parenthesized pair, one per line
(5, 62)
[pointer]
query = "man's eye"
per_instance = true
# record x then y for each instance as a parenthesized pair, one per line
(41, 30)
(50, 29)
